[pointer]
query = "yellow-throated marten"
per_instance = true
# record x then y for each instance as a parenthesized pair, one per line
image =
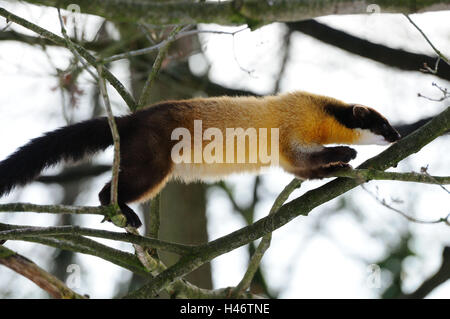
(305, 122)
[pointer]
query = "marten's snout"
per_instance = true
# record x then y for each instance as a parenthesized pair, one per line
(369, 119)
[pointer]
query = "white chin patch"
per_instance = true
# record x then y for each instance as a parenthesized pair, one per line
(366, 137)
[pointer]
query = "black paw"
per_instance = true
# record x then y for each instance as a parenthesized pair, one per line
(344, 153)
(132, 218)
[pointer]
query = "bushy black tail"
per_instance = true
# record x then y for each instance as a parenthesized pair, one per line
(72, 142)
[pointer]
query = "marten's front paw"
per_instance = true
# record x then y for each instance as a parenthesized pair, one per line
(344, 153)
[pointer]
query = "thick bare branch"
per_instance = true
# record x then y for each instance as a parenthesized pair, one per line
(441, 276)
(252, 12)
(396, 58)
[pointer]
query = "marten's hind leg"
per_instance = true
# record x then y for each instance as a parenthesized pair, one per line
(137, 183)
(105, 199)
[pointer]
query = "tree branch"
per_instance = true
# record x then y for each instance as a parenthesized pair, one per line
(145, 95)
(255, 260)
(84, 53)
(252, 12)
(155, 207)
(383, 202)
(373, 174)
(115, 136)
(107, 211)
(439, 53)
(76, 230)
(52, 285)
(182, 76)
(441, 276)
(70, 45)
(396, 58)
(54, 209)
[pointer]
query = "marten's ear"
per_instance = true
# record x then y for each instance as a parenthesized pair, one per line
(360, 111)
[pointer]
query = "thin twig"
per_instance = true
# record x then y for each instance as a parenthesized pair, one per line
(424, 170)
(115, 135)
(428, 69)
(439, 53)
(76, 230)
(235, 57)
(255, 261)
(145, 95)
(444, 91)
(284, 60)
(152, 265)
(383, 202)
(158, 46)
(71, 47)
(248, 212)
(127, 97)
(373, 174)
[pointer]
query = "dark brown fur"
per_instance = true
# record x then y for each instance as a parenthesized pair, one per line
(323, 163)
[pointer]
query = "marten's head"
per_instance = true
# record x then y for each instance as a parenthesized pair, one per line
(373, 128)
